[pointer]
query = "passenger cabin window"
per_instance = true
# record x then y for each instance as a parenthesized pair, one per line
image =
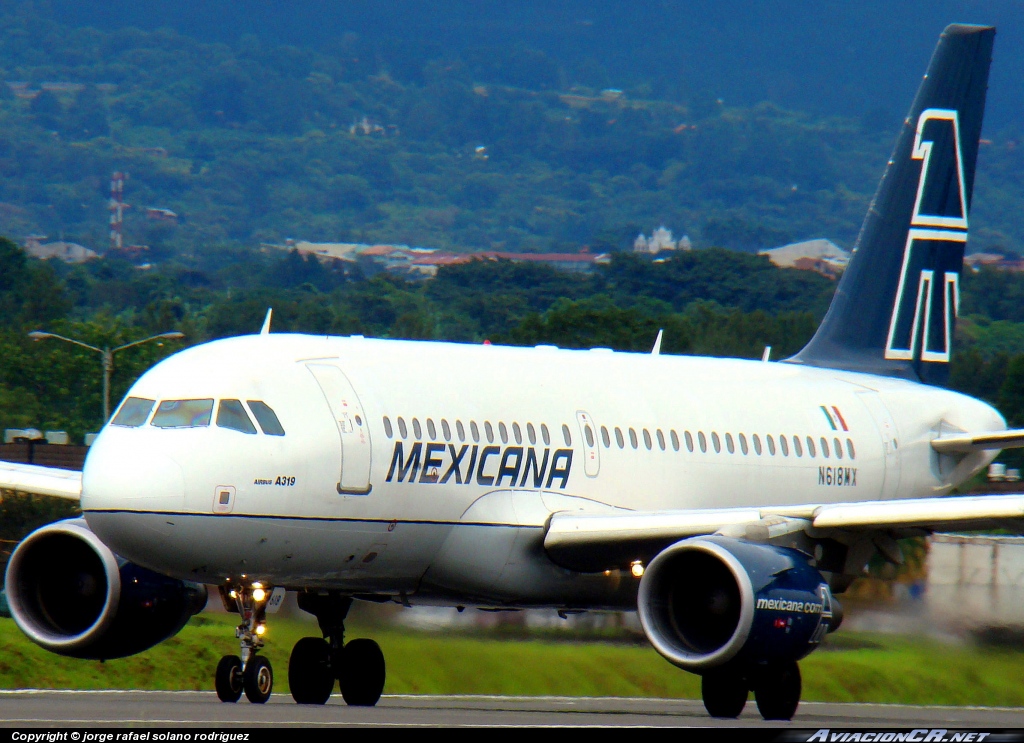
(634, 442)
(796, 446)
(402, 429)
(183, 414)
(605, 437)
(503, 432)
(431, 430)
(810, 447)
(387, 427)
(133, 412)
(461, 430)
(417, 428)
(661, 439)
(717, 442)
(689, 441)
(566, 436)
(838, 448)
(675, 439)
(743, 444)
(589, 435)
(231, 414)
(850, 450)
(784, 445)
(703, 441)
(517, 433)
(757, 444)
(446, 430)
(771, 444)
(729, 443)
(618, 438)
(531, 433)
(489, 432)
(545, 434)
(824, 447)
(474, 429)
(647, 439)
(267, 419)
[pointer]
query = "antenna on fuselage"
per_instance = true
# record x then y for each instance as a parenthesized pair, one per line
(767, 355)
(656, 351)
(265, 330)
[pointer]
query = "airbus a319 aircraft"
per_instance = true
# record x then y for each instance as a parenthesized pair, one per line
(726, 501)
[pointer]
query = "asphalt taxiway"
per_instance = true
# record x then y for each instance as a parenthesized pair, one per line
(70, 709)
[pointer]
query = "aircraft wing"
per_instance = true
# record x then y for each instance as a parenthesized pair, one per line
(964, 443)
(31, 478)
(599, 541)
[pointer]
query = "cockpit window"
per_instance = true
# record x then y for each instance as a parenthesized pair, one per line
(231, 414)
(183, 414)
(134, 412)
(266, 418)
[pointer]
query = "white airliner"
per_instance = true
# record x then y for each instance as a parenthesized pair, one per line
(725, 500)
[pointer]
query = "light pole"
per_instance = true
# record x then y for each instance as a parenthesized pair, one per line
(107, 354)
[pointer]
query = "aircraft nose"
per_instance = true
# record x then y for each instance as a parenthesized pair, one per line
(127, 472)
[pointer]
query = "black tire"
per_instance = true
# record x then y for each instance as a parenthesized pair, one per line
(362, 673)
(310, 675)
(258, 679)
(777, 690)
(228, 679)
(724, 694)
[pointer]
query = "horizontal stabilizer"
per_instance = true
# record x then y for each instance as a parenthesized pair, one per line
(965, 443)
(31, 478)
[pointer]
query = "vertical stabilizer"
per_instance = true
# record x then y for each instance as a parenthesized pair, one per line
(895, 307)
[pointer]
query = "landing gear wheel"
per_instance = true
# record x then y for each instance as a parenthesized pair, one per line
(777, 690)
(228, 679)
(362, 673)
(258, 680)
(310, 674)
(724, 694)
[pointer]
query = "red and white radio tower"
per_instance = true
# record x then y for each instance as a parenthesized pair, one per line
(117, 207)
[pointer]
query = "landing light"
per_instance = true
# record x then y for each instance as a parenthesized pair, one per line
(636, 568)
(258, 594)
(260, 629)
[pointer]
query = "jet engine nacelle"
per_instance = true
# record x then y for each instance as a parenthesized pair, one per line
(69, 593)
(708, 601)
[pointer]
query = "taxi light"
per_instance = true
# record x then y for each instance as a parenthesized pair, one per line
(233, 594)
(258, 594)
(636, 568)
(260, 629)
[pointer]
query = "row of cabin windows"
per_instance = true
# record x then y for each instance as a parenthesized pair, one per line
(503, 431)
(740, 442)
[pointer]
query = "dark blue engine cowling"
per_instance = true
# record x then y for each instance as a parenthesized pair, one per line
(707, 601)
(70, 594)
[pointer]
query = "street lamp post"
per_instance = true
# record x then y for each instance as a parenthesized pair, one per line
(107, 355)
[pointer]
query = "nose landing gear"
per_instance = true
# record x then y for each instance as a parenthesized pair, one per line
(250, 673)
(316, 663)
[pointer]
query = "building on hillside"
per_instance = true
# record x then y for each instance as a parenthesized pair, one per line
(159, 214)
(821, 255)
(661, 239)
(65, 251)
(976, 261)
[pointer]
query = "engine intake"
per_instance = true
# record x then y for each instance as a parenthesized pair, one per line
(70, 594)
(707, 601)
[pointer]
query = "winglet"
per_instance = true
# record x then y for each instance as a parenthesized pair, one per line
(656, 351)
(265, 330)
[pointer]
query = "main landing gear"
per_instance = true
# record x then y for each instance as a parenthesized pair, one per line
(250, 673)
(316, 663)
(776, 688)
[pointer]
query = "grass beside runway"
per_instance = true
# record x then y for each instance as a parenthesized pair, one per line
(855, 668)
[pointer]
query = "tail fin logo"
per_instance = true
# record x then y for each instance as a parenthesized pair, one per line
(921, 326)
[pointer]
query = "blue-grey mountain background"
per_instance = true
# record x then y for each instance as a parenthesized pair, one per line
(505, 126)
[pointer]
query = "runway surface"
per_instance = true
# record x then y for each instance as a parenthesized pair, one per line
(202, 709)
